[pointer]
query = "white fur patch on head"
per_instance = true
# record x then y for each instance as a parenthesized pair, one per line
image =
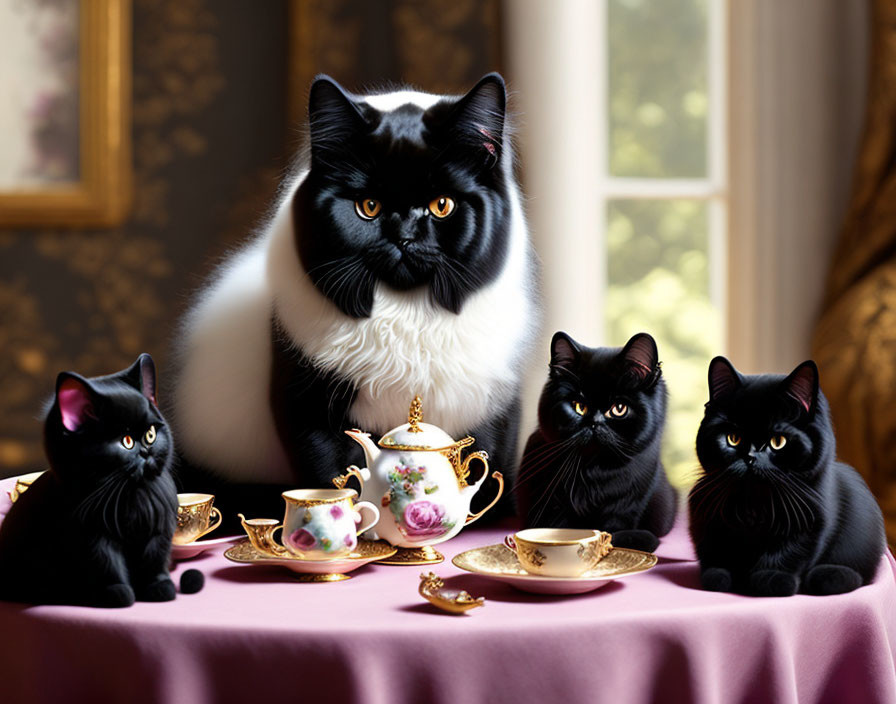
(387, 102)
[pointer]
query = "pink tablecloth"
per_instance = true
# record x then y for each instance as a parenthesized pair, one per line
(255, 635)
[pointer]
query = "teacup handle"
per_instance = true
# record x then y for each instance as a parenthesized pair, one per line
(510, 542)
(373, 512)
(215, 512)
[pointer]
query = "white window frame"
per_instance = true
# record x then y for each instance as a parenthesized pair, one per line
(795, 76)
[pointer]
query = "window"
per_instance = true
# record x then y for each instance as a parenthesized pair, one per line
(638, 200)
(663, 196)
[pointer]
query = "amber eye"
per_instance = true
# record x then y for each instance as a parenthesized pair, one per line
(580, 408)
(368, 208)
(777, 442)
(128, 442)
(442, 206)
(733, 439)
(149, 437)
(617, 410)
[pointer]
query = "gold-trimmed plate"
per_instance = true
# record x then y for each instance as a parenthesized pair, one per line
(314, 570)
(501, 563)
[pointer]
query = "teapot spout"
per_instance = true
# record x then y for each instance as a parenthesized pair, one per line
(371, 451)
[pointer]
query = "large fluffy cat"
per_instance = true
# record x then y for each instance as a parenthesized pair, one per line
(397, 263)
(774, 512)
(594, 461)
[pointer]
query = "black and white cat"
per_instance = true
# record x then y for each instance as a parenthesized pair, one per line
(397, 263)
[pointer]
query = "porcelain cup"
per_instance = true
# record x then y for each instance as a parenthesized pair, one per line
(559, 552)
(323, 524)
(194, 517)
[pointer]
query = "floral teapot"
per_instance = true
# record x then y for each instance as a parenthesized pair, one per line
(418, 477)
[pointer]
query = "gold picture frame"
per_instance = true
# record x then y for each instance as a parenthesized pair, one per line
(101, 193)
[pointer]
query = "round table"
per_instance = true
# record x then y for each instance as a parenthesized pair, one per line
(254, 634)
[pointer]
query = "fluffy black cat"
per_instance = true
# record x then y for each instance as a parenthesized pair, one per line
(774, 513)
(594, 461)
(397, 263)
(95, 530)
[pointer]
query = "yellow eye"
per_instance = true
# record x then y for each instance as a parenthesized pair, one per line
(580, 408)
(777, 442)
(442, 206)
(128, 442)
(150, 436)
(368, 208)
(733, 439)
(617, 410)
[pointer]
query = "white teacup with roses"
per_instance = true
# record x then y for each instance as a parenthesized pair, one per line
(324, 524)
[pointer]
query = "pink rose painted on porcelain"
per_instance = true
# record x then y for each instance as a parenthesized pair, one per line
(302, 539)
(423, 519)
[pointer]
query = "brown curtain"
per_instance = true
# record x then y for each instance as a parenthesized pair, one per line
(855, 340)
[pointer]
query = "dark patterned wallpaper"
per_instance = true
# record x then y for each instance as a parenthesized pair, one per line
(214, 81)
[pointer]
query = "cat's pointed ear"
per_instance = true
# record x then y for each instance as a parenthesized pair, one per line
(724, 379)
(641, 357)
(802, 386)
(332, 115)
(478, 117)
(564, 351)
(75, 399)
(142, 376)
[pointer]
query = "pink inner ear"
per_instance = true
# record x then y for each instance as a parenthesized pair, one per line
(640, 355)
(74, 404)
(722, 381)
(801, 388)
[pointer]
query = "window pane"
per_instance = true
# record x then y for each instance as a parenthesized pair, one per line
(658, 282)
(658, 96)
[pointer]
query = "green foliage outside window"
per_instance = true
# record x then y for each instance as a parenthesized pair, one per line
(658, 250)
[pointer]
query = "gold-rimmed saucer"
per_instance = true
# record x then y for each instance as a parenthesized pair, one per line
(501, 563)
(314, 570)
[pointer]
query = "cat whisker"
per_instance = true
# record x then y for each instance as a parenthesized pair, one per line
(550, 490)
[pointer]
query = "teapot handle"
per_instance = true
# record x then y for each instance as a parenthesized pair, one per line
(350, 471)
(482, 456)
(475, 516)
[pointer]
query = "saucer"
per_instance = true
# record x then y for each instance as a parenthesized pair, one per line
(188, 550)
(501, 563)
(333, 570)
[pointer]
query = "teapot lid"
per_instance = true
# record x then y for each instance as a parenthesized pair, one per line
(415, 434)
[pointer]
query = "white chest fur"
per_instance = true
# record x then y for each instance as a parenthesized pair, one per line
(465, 366)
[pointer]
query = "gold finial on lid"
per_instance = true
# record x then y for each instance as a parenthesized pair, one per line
(415, 415)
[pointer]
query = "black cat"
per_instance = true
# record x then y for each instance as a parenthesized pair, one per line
(95, 530)
(594, 461)
(774, 513)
